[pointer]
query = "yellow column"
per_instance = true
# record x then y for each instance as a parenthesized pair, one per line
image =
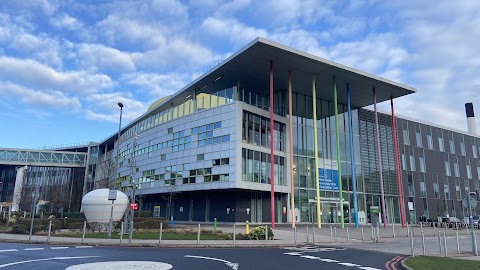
(316, 149)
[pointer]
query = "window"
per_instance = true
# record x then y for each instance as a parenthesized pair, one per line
(225, 138)
(462, 149)
(189, 180)
(458, 192)
(186, 166)
(423, 189)
(163, 157)
(404, 162)
(421, 160)
(418, 135)
(406, 138)
(412, 163)
(455, 167)
(446, 191)
(436, 192)
(217, 125)
(441, 145)
(170, 130)
(452, 145)
(429, 138)
(474, 150)
(469, 171)
(411, 188)
(447, 168)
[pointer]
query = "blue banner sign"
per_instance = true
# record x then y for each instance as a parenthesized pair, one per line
(328, 179)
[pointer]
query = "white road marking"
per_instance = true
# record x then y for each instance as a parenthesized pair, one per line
(7, 250)
(34, 248)
(47, 259)
(310, 257)
(83, 247)
(115, 265)
(293, 253)
(368, 268)
(350, 264)
(58, 247)
(234, 266)
(328, 260)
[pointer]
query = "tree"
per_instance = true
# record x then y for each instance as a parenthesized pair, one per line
(170, 195)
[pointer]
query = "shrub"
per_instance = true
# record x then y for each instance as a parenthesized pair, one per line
(75, 226)
(20, 229)
(150, 224)
(258, 233)
(76, 215)
(144, 214)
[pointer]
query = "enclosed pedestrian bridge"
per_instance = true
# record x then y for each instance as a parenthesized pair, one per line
(47, 158)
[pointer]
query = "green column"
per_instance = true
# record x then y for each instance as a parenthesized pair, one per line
(337, 137)
(315, 136)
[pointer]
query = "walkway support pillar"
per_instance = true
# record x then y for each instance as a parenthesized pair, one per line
(290, 114)
(352, 159)
(397, 165)
(337, 137)
(315, 144)
(272, 155)
(379, 155)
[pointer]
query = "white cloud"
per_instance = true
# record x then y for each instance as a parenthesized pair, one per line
(104, 107)
(65, 21)
(158, 85)
(34, 74)
(51, 99)
(98, 56)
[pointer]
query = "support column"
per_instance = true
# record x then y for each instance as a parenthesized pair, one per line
(397, 165)
(379, 152)
(290, 113)
(352, 159)
(339, 165)
(17, 191)
(272, 155)
(315, 147)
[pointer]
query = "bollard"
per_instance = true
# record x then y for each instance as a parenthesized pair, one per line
(49, 231)
(408, 230)
(247, 229)
(160, 234)
(307, 234)
(434, 229)
(445, 244)
(171, 222)
(24, 214)
(421, 227)
(440, 243)
(475, 242)
(121, 233)
(295, 235)
(266, 235)
(313, 234)
(198, 235)
(378, 232)
(234, 234)
(411, 244)
(84, 228)
(423, 243)
(348, 236)
(393, 229)
(458, 244)
(334, 234)
(331, 234)
(363, 236)
(214, 225)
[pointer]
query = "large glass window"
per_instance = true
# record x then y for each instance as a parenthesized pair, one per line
(436, 192)
(469, 171)
(455, 167)
(441, 145)
(423, 188)
(418, 135)
(412, 162)
(458, 191)
(256, 130)
(411, 188)
(429, 137)
(446, 191)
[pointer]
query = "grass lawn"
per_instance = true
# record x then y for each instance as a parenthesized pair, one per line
(439, 263)
(147, 235)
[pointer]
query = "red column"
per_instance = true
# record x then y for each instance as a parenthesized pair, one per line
(290, 114)
(397, 164)
(272, 156)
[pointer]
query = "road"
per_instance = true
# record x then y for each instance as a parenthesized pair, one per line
(26, 256)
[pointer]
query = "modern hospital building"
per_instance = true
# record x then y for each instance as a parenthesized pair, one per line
(268, 128)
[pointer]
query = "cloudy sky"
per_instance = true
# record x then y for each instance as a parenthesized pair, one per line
(64, 65)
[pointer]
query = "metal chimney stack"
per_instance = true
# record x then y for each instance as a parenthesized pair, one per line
(472, 128)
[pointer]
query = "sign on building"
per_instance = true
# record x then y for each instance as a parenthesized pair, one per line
(156, 211)
(328, 175)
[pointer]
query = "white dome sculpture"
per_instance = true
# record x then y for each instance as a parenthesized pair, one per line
(97, 207)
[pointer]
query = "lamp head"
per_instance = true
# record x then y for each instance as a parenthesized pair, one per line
(120, 104)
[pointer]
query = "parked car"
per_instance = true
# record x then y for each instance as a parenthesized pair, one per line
(476, 219)
(452, 222)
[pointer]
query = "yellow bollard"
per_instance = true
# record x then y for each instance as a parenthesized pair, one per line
(247, 229)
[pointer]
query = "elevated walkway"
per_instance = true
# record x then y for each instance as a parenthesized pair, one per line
(49, 158)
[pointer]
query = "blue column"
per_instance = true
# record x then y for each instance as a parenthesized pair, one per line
(352, 160)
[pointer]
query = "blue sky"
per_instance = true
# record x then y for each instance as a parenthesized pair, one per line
(64, 65)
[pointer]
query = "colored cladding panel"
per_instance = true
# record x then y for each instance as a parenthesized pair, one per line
(328, 179)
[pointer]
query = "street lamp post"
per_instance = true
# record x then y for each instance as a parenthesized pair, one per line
(32, 215)
(470, 218)
(132, 185)
(118, 141)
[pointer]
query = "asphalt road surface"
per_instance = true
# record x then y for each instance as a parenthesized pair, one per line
(38, 257)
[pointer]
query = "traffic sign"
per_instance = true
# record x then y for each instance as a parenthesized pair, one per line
(112, 194)
(133, 206)
(473, 202)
